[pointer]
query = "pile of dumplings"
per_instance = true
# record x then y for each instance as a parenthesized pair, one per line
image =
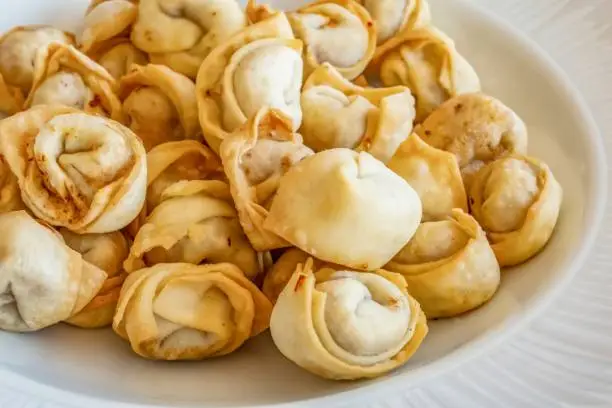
(192, 174)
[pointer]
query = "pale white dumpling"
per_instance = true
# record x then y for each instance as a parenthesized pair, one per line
(346, 208)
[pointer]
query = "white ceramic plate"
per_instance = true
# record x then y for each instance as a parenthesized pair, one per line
(52, 365)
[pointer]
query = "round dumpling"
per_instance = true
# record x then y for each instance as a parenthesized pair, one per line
(159, 104)
(180, 34)
(517, 201)
(426, 61)
(477, 129)
(21, 47)
(105, 21)
(255, 158)
(449, 266)
(188, 312)
(259, 67)
(345, 207)
(42, 281)
(78, 171)
(338, 113)
(347, 325)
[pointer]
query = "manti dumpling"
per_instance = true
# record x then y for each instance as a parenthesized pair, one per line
(345, 207)
(21, 47)
(434, 174)
(70, 78)
(517, 201)
(280, 273)
(345, 325)
(338, 113)
(11, 99)
(449, 266)
(393, 17)
(107, 252)
(181, 33)
(477, 129)
(106, 20)
(255, 158)
(426, 61)
(188, 312)
(159, 104)
(42, 281)
(118, 55)
(340, 32)
(78, 171)
(195, 222)
(261, 66)
(10, 195)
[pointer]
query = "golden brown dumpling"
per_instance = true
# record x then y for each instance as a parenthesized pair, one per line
(21, 47)
(180, 34)
(282, 270)
(345, 325)
(517, 201)
(195, 222)
(10, 195)
(338, 113)
(259, 67)
(449, 266)
(255, 158)
(159, 104)
(68, 77)
(339, 32)
(426, 61)
(107, 252)
(393, 17)
(345, 207)
(118, 55)
(434, 174)
(106, 20)
(42, 281)
(189, 312)
(11, 99)
(78, 171)
(477, 129)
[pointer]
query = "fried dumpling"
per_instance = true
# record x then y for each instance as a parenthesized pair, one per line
(195, 222)
(449, 266)
(517, 201)
(42, 281)
(339, 32)
(10, 195)
(261, 66)
(68, 77)
(345, 325)
(188, 312)
(107, 252)
(279, 274)
(78, 171)
(159, 104)
(11, 99)
(434, 174)
(393, 17)
(338, 113)
(180, 34)
(426, 61)
(255, 158)
(345, 207)
(118, 55)
(21, 47)
(477, 129)
(105, 21)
